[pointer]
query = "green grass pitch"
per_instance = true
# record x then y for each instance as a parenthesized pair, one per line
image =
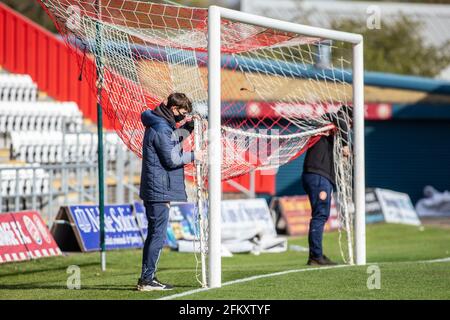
(396, 249)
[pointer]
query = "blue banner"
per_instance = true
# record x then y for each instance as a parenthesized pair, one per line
(181, 222)
(139, 211)
(121, 229)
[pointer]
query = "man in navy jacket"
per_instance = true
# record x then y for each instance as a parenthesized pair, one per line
(162, 178)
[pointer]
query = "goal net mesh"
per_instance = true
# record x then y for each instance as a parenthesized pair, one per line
(281, 91)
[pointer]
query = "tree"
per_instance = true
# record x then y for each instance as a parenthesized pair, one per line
(33, 11)
(398, 47)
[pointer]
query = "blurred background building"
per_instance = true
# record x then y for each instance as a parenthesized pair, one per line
(407, 63)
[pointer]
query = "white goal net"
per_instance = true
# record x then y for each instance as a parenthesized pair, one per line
(281, 91)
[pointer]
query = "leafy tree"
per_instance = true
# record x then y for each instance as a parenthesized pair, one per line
(32, 10)
(398, 47)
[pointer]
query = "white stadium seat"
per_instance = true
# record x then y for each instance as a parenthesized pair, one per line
(47, 146)
(24, 184)
(17, 87)
(40, 116)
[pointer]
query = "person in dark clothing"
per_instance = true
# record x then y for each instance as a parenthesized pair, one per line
(162, 178)
(319, 181)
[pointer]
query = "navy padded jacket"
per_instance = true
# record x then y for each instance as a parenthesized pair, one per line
(163, 161)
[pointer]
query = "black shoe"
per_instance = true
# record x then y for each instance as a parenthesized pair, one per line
(321, 261)
(152, 285)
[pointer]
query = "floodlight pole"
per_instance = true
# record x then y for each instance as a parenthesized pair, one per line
(101, 180)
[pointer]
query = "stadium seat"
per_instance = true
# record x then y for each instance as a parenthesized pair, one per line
(47, 146)
(17, 87)
(40, 116)
(27, 180)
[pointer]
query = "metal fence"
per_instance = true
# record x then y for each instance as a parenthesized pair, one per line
(46, 187)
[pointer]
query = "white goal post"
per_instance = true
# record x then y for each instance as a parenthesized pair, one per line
(215, 14)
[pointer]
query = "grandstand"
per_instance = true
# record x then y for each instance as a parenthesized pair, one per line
(17, 88)
(39, 116)
(49, 152)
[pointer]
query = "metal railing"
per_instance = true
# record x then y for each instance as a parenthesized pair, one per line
(46, 187)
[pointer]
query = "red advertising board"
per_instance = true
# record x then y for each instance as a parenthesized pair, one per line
(372, 111)
(296, 211)
(24, 236)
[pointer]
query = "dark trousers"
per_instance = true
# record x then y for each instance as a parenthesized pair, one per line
(314, 184)
(158, 216)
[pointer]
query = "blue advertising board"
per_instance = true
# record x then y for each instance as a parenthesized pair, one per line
(121, 228)
(139, 211)
(181, 222)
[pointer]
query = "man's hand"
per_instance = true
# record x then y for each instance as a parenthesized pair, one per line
(346, 151)
(199, 155)
(99, 84)
(189, 125)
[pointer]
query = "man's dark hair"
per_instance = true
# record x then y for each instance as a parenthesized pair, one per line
(180, 101)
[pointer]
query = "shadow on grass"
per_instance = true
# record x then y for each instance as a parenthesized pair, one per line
(29, 272)
(62, 287)
(106, 287)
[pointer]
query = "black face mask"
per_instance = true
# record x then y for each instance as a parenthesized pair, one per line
(179, 118)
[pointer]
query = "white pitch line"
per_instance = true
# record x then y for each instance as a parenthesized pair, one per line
(190, 292)
(187, 293)
(436, 260)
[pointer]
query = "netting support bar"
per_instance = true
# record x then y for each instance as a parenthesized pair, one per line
(359, 173)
